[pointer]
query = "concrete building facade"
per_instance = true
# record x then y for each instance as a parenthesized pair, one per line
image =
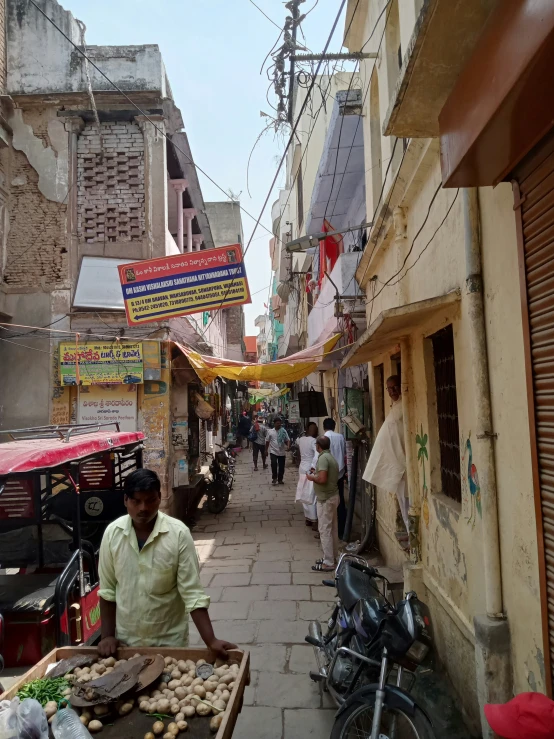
(440, 281)
(91, 180)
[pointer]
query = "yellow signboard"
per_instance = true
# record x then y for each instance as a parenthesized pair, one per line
(110, 363)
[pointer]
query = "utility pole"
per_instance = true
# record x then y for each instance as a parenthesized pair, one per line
(295, 16)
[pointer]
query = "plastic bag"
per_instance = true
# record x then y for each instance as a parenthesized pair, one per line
(8, 718)
(31, 720)
(305, 492)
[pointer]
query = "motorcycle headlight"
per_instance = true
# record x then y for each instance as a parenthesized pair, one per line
(417, 652)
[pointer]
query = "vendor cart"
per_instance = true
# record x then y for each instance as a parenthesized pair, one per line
(60, 486)
(136, 724)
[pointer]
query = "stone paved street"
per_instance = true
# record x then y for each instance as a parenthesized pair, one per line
(256, 560)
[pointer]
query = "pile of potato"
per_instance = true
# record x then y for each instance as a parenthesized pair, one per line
(183, 695)
(178, 693)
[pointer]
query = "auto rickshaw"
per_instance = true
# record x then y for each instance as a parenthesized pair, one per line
(60, 486)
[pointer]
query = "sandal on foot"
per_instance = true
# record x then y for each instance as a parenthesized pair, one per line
(320, 567)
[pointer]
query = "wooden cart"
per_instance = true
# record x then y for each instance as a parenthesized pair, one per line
(136, 724)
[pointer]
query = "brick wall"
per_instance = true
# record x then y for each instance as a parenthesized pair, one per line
(235, 324)
(110, 193)
(36, 248)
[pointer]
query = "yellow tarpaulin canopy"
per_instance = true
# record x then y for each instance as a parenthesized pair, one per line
(290, 369)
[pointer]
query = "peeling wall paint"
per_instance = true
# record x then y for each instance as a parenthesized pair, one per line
(155, 423)
(51, 164)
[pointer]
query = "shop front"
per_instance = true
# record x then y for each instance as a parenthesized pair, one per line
(119, 382)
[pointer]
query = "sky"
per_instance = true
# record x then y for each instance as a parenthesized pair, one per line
(213, 51)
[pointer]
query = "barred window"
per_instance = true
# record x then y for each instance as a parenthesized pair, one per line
(447, 411)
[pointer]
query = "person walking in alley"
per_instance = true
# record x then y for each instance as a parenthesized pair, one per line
(243, 428)
(305, 493)
(338, 450)
(258, 444)
(149, 576)
(325, 480)
(386, 467)
(277, 443)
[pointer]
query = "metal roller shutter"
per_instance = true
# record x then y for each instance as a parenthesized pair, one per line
(534, 204)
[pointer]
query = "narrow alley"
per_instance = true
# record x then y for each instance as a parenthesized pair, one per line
(256, 560)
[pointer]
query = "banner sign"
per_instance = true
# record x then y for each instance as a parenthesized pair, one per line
(158, 289)
(109, 405)
(110, 363)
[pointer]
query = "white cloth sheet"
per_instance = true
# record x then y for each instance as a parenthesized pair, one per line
(386, 467)
(305, 493)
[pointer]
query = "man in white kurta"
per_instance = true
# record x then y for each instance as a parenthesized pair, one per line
(386, 467)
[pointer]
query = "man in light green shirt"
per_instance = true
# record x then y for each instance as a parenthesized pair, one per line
(325, 480)
(149, 576)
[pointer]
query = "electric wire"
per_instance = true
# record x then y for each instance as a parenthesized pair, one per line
(143, 113)
(387, 5)
(291, 139)
(265, 14)
(389, 282)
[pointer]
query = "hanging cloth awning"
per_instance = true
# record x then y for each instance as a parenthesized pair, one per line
(289, 369)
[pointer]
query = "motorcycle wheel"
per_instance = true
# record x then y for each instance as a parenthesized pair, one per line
(355, 723)
(218, 497)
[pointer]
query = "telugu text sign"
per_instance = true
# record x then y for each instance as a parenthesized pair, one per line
(158, 289)
(117, 404)
(110, 363)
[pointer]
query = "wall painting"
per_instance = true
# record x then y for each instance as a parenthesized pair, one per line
(470, 481)
(422, 455)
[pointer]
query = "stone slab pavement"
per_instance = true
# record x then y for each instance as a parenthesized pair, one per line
(256, 560)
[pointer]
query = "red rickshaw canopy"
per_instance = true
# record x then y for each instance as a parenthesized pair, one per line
(29, 455)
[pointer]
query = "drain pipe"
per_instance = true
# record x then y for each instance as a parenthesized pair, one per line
(352, 493)
(492, 637)
(484, 436)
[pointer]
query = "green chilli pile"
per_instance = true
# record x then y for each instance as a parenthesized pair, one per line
(46, 690)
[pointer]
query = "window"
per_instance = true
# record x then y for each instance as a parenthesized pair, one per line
(447, 412)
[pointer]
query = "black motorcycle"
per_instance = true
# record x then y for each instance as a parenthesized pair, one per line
(220, 480)
(369, 654)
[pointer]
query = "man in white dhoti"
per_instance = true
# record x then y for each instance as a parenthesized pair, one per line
(305, 488)
(386, 467)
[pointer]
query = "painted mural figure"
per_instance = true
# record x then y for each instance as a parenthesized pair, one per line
(421, 441)
(473, 483)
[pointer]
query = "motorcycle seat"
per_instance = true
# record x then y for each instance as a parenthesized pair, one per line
(353, 586)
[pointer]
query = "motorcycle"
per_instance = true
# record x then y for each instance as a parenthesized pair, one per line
(220, 481)
(369, 652)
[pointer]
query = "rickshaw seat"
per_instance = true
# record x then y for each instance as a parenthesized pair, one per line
(26, 593)
(19, 547)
